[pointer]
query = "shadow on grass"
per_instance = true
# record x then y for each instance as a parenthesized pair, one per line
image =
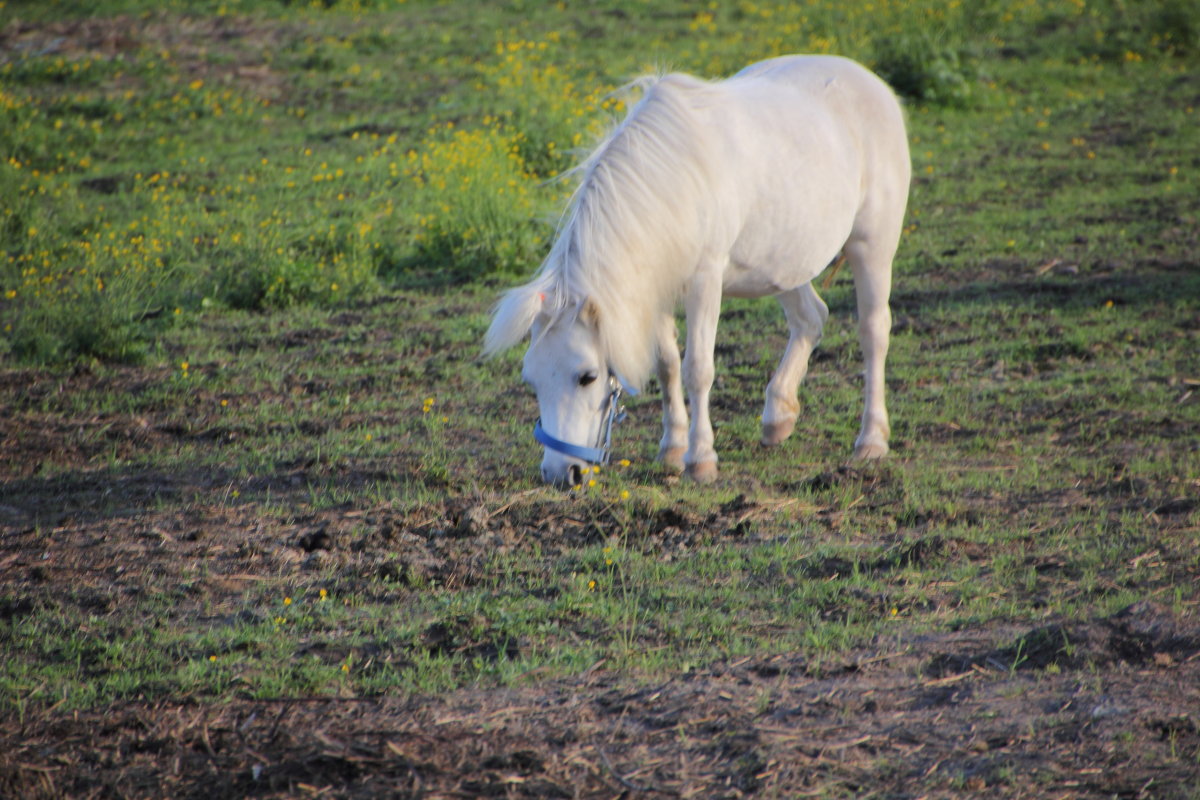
(1011, 284)
(83, 496)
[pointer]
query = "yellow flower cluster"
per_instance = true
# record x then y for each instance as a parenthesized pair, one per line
(590, 479)
(102, 258)
(535, 94)
(479, 192)
(475, 200)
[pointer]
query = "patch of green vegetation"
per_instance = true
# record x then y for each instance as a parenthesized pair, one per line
(294, 220)
(162, 176)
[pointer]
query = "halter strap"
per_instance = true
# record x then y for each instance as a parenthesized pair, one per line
(614, 413)
(592, 455)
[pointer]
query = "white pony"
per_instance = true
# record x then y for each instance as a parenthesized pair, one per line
(745, 187)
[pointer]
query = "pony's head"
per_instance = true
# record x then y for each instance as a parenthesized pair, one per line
(566, 364)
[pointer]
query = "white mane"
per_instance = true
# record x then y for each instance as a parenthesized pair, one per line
(631, 234)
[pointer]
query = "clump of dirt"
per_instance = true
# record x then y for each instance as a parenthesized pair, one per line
(1141, 634)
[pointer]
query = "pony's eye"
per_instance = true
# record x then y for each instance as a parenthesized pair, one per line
(587, 379)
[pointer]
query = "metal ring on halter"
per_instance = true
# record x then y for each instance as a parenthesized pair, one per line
(614, 413)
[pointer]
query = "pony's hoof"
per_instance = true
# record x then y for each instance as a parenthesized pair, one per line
(702, 472)
(775, 432)
(672, 458)
(870, 452)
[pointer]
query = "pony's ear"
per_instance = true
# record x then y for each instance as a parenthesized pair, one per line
(589, 313)
(512, 318)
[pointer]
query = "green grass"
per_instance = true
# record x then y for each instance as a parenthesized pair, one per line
(269, 209)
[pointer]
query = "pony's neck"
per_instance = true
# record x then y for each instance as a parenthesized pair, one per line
(635, 226)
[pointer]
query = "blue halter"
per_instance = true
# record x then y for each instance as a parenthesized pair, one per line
(613, 414)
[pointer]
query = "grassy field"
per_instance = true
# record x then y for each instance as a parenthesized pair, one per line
(270, 527)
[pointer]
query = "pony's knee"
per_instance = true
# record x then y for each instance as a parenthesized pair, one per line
(699, 373)
(668, 366)
(875, 326)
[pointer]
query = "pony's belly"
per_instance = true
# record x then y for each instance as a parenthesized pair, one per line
(742, 280)
(789, 244)
(754, 285)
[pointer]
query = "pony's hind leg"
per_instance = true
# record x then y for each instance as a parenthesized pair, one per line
(675, 421)
(871, 262)
(806, 314)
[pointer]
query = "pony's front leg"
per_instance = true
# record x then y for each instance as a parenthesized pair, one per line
(703, 311)
(806, 314)
(675, 422)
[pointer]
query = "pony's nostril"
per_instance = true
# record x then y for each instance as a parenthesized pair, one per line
(575, 475)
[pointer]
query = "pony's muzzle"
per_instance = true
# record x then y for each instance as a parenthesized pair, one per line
(562, 473)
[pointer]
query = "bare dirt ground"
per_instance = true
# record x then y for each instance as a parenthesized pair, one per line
(933, 715)
(934, 718)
